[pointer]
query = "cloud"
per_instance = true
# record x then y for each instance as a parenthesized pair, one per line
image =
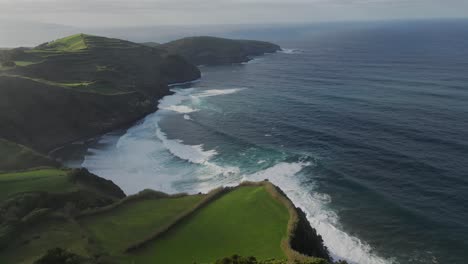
(147, 12)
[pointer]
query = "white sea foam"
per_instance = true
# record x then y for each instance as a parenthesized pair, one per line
(183, 109)
(340, 244)
(290, 51)
(216, 92)
(174, 99)
(183, 101)
(144, 158)
(191, 153)
(187, 117)
(174, 102)
(197, 155)
(129, 161)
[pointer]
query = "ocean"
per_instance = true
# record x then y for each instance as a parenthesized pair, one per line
(364, 127)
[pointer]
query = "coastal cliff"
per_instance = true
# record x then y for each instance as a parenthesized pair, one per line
(90, 220)
(216, 51)
(82, 86)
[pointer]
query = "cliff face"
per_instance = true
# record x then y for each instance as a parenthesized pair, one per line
(96, 184)
(44, 117)
(215, 51)
(306, 240)
(81, 86)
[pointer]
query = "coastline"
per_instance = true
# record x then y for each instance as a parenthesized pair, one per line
(333, 256)
(340, 244)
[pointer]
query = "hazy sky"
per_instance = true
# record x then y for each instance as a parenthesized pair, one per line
(176, 12)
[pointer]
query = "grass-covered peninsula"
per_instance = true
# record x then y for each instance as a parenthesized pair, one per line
(90, 217)
(81, 86)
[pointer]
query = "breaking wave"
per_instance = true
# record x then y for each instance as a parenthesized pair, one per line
(145, 157)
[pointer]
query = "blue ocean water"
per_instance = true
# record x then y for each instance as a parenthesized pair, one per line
(365, 127)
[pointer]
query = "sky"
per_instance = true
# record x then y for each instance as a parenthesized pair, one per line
(32, 22)
(115, 13)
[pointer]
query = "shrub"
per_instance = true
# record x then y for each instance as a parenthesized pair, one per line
(236, 259)
(60, 256)
(8, 63)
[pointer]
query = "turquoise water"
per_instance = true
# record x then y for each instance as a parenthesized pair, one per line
(363, 127)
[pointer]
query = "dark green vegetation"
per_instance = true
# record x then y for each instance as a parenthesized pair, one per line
(61, 256)
(44, 180)
(236, 259)
(215, 51)
(37, 208)
(18, 157)
(81, 86)
(92, 221)
(151, 44)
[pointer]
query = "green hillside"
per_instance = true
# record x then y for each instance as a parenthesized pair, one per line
(45, 180)
(246, 221)
(150, 227)
(135, 220)
(18, 157)
(103, 83)
(68, 44)
(34, 240)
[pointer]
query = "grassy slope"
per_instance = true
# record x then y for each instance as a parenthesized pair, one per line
(48, 180)
(103, 83)
(77, 48)
(35, 240)
(18, 157)
(68, 44)
(108, 232)
(246, 221)
(28, 229)
(131, 222)
(84, 63)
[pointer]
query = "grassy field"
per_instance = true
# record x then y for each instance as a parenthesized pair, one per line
(35, 240)
(49, 180)
(133, 221)
(26, 63)
(246, 221)
(69, 44)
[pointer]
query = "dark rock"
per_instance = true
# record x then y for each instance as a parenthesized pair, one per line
(306, 240)
(96, 183)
